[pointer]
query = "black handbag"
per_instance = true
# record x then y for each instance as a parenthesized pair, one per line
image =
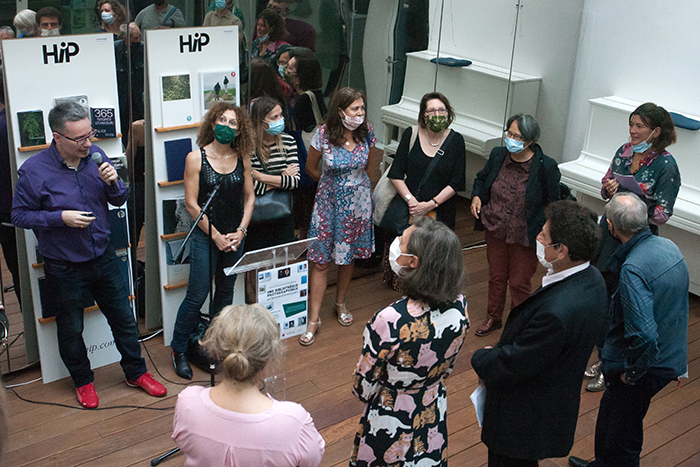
(397, 217)
(273, 205)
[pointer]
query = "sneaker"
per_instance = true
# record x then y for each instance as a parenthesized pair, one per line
(148, 384)
(597, 384)
(87, 397)
(593, 371)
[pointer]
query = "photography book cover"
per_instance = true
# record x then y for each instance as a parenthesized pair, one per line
(104, 122)
(31, 128)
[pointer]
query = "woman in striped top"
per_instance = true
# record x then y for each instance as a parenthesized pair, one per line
(274, 166)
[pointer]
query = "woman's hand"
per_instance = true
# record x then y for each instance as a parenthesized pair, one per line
(611, 186)
(291, 170)
(222, 242)
(255, 174)
(236, 238)
(476, 206)
(421, 209)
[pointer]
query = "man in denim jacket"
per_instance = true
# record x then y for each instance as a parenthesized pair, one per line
(647, 344)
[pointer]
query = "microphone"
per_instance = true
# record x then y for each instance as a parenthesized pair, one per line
(97, 157)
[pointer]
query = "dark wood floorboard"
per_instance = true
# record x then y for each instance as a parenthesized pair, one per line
(318, 377)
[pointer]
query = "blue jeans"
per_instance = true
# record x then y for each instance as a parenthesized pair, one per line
(103, 278)
(198, 286)
(619, 431)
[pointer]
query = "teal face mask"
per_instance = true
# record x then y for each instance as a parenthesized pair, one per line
(224, 134)
(514, 146)
(219, 4)
(280, 69)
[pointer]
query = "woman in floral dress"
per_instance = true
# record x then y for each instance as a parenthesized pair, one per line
(342, 215)
(409, 349)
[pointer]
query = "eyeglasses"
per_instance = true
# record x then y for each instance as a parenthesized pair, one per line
(81, 141)
(442, 111)
(514, 136)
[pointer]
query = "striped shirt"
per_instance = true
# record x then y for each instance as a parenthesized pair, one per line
(276, 164)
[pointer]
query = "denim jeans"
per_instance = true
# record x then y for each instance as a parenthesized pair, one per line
(103, 278)
(619, 431)
(198, 286)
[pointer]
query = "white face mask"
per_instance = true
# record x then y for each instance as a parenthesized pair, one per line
(540, 256)
(394, 253)
(352, 123)
(50, 32)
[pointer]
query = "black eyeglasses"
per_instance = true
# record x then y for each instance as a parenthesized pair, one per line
(82, 139)
(514, 136)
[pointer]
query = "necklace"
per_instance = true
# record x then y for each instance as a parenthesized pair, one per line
(211, 146)
(439, 140)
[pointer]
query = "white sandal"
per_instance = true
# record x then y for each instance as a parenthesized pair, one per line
(309, 337)
(344, 316)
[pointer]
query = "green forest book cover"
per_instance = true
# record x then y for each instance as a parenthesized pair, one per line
(31, 128)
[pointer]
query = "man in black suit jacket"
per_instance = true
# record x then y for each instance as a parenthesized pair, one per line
(534, 374)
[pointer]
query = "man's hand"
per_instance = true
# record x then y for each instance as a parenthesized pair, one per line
(108, 173)
(77, 219)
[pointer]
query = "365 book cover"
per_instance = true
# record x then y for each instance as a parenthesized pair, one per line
(104, 122)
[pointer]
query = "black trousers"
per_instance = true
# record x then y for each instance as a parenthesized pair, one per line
(497, 460)
(8, 241)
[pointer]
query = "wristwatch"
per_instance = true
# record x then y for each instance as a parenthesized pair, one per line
(408, 197)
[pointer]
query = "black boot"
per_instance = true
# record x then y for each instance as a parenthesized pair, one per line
(182, 368)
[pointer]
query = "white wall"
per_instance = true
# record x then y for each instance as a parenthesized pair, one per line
(644, 50)
(546, 46)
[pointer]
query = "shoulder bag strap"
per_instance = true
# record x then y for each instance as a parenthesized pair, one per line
(435, 160)
(167, 17)
(315, 108)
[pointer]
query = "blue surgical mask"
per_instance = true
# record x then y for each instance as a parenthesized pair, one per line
(108, 18)
(514, 146)
(280, 69)
(276, 127)
(264, 38)
(219, 4)
(643, 146)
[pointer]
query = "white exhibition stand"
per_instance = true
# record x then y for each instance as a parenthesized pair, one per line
(197, 57)
(37, 70)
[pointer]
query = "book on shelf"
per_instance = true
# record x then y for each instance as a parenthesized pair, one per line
(175, 154)
(31, 128)
(177, 105)
(176, 218)
(178, 269)
(104, 122)
(217, 86)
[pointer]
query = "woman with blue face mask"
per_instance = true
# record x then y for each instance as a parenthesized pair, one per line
(112, 15)
(508, 201)
(274, 167)
(645, 158)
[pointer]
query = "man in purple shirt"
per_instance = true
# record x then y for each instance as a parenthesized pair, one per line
(62, 195)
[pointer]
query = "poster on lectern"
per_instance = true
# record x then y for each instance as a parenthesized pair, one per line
(285, 292)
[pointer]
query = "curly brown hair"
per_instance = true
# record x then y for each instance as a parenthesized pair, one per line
(276, 24)
(243, 143)
(342, 99)
(654, 116)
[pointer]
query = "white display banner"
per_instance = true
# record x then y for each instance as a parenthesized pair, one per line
(38, 71)
(285, 292)
(187, 69)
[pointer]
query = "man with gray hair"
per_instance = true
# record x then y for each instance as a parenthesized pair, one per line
(62, 194)
(647, 344)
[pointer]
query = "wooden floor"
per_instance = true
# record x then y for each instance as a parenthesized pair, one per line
(318, 377)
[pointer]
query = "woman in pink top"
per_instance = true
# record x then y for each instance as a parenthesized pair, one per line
(234, 424)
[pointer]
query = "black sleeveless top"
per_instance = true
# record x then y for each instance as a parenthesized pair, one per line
(226, 210)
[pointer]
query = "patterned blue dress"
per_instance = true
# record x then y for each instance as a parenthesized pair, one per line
(342, 215)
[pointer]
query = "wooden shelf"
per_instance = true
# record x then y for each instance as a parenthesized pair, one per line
(163, 129)
(173, 235)
(37, 265)
(176, 182)
(45, 146)
(32, 148)
(176, 286)
(87, 310)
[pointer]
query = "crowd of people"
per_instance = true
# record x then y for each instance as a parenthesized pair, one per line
(613, 283)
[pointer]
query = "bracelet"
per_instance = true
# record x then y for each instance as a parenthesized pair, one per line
(436, 203)
(408, 197)
(242, 229)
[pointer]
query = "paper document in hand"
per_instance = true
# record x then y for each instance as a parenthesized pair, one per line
(629, 183)
(478, 398)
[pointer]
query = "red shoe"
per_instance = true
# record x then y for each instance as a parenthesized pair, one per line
(148, 384)
(87, 396)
